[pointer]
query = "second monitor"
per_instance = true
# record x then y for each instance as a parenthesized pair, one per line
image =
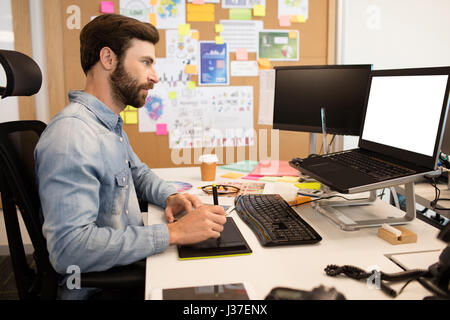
(302, 91)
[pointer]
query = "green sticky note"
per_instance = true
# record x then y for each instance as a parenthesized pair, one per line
(240, 14)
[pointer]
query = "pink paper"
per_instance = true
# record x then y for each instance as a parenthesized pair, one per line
(252, 177)
(274, 168)
(161, 129)
(107, 6)
(241, 54)
(285, 20)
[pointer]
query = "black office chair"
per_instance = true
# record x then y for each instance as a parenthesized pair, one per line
(18, 190)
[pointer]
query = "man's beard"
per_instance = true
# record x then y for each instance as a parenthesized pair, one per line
(126, 89)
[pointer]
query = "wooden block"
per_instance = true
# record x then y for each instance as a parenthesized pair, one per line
(407, 236)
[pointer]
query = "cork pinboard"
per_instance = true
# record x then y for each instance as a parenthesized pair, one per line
(316, 38)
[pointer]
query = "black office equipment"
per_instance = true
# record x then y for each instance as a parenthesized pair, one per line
(230, 243)
(403, 124)
(19, 191)
(302, 91)
(273, 221)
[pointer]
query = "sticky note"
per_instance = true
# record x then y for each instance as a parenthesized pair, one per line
(198, 1)
(153, 2)
(285, 20)
(195, 35)
(252, 177)
(292, 34)
(219, 27)
(190, 69)
(232, 175)
(308, 185)
(288, 179)
(241, 54)
(269, 179)
(259, 10)
(219, 40)
(131, 118)
(240, 14)
(172, 95)
(152, 18)
(264, 63)
(184, 29)
(203, 13)
(107, 7)
(191, 84)
(298, 18)
(161, 129)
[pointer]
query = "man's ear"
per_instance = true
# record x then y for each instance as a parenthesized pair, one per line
(108, 59)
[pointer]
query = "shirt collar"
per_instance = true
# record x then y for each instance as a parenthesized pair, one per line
(104, 114)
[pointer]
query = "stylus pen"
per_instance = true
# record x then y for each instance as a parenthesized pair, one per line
(214, 190)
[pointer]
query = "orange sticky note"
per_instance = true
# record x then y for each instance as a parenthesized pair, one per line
(190, 69)
(152, 18)
(241, 54)
(285, 20)
(153, 2)
(232, 175)
(264, 63)
(292, 34)
(195, 35)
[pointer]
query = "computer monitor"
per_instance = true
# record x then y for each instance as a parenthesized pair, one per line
(302, 91)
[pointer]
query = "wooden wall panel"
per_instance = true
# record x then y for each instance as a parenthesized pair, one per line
(316, 46)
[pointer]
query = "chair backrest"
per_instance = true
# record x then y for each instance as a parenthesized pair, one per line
(18, 188)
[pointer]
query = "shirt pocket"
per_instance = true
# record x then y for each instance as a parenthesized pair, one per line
(121, 192)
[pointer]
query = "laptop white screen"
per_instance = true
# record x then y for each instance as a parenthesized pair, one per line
(404, 111)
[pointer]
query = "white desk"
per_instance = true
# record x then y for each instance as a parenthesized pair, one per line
(300, 267)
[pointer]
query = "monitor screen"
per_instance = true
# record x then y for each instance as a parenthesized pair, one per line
(302, 91)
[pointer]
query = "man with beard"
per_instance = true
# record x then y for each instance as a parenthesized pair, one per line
(88, 176)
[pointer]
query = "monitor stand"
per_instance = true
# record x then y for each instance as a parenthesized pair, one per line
(312, 143)
(330, 209)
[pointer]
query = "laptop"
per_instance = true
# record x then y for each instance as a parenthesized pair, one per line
(401, 133)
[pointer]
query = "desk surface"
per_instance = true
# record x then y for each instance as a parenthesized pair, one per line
(300, 267)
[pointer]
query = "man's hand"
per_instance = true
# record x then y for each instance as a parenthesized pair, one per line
(178, 203)
(203, 223)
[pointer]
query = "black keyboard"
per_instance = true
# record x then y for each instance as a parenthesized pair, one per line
(273, 221)
(380, 170)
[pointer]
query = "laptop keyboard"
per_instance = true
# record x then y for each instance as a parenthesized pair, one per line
(378, 169)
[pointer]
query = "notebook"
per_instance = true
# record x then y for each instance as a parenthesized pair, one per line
(230, 243)
(403, 124)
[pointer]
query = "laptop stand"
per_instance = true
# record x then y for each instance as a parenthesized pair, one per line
(330, 209)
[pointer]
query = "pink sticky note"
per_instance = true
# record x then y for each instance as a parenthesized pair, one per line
(285, 20)
(107, 6)
(198, 1)
(161, 129)
(252, 177)
(241, 54)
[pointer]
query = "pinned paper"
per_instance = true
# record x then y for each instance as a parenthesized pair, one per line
(219, 40)
(172, 95)
(152, 18)
(285, 20)
(232, 175)
(107, 6)
(203, 13)
(161, 129)
(241, 54)
(259, 10)
(240, 14)
(219, 27)
(184, 29)
(264, 63)
(191, 85)
(190, 69)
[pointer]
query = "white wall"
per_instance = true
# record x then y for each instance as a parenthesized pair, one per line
(9, 107)
(393, 34)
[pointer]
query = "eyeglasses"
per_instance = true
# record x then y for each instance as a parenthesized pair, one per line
(222, 189)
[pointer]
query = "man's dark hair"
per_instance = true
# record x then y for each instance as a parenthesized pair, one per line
(114, 31)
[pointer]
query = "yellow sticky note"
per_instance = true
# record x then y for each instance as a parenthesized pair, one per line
(191, 84)
(264, 63)
(308, 185)
(219, 40)
(122, 114)
(153, 2)
(152, 18)
(301, 18)
(190, 69)
(172, 95)
(232, 175)
(292, 34)
(219, 27)
(269, 179)
(259, 10)
(195, 35)
(184, 29)
(288, 179)
(131, 118)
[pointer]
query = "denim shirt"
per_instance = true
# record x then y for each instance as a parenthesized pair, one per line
(89, 181)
